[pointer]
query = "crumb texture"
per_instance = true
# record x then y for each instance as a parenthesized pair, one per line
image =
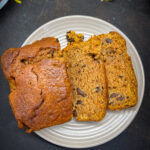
(88, 82)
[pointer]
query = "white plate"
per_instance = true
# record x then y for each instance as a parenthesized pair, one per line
(87, 134)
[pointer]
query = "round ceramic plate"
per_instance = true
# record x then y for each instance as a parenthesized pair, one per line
(87, 134)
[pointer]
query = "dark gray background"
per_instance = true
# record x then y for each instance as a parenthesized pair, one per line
(17, 22)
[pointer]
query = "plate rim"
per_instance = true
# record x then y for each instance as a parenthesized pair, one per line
(140, 63)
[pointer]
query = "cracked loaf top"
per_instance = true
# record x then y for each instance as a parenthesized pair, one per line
(40, 90)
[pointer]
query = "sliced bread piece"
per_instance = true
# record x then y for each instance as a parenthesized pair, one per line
(88, 82)
(122, 83)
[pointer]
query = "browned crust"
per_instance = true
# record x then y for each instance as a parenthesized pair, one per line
(40, 90)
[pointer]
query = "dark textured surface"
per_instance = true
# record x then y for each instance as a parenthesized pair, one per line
(17, 22)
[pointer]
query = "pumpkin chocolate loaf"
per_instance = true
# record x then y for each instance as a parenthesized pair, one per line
(40, 89)
(88, 82)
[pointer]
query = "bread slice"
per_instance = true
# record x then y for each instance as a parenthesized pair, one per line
(122, 83)
(40, 90)
(88, 82)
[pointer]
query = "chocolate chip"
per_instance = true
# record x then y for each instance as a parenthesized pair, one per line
(97, 89)
(92, 55)
(57, 40)
(69, 39)
(52, 53)
(23, 61)
(108, 40)
(79, 102)
(74, 113)
(120, 76)
(127, 97)
(80, 92)
(68, 32)
(113, 95)
(83, 65)
(79, 71)
(120, 98)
